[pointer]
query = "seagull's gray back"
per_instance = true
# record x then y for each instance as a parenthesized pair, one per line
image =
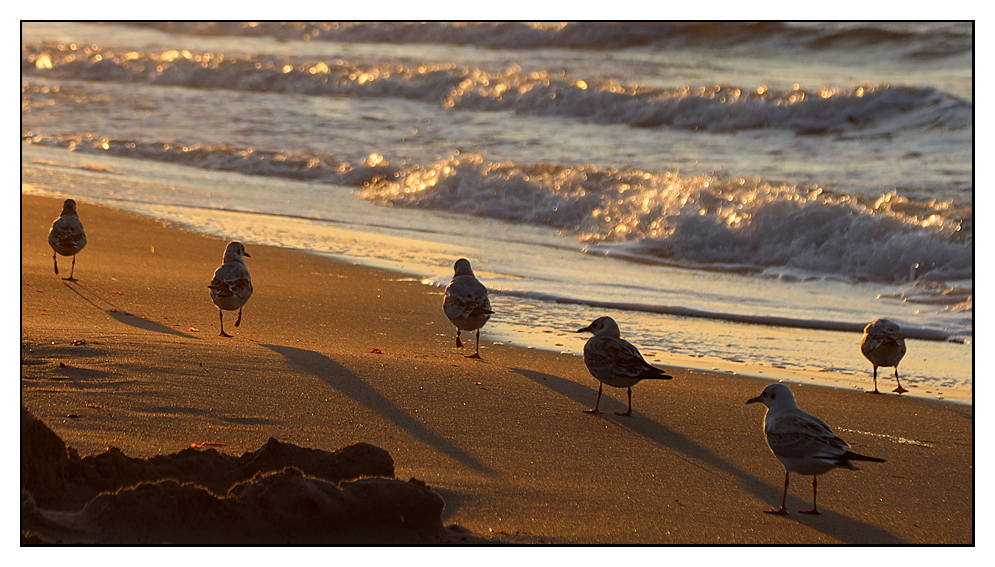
(466, 303)
(231, 287)
(67, 236)
(883, 343)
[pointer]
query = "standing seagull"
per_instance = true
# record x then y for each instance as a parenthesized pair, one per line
(67, 236)
(466, 303)
(884, 345)
(615, 361)
(232, 285)
(802, 442)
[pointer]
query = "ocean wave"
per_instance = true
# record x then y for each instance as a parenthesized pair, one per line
(704, 221)
(711, 108)
(916, 41)
(707, 221)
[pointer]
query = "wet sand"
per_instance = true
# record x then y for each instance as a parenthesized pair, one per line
(331, 354)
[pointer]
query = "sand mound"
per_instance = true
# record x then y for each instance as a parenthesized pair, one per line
(280, 493)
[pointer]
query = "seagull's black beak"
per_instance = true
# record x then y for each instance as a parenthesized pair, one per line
(753, 400)
(246, 255)
(586, 329)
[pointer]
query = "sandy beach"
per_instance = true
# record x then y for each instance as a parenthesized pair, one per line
(329, 355)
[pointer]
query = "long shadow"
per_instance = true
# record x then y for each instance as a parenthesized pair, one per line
(833, 524)
(70, 372)
(123, 316)
(454, 501)
(340, 378)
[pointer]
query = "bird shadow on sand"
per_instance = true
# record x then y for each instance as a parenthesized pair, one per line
(121, 315)
(342, 379)
(838, 526)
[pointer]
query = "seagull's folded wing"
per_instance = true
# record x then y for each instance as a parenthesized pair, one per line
(232, 279)
(66, 232)
(241, 287)
(465, 301)
(796, 436)
(617, 356)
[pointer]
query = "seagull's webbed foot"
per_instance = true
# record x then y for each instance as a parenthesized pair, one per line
(224, 334)
(624, 413)
(782, 512)
(900, 390)
(813, 511)
(874, 391)
(594, 411)
(70, 279)
(474, 355)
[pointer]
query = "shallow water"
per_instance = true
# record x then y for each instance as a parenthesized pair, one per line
(741, 197)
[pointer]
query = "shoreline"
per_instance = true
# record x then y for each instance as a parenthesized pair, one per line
(831, 374)
(503, 440)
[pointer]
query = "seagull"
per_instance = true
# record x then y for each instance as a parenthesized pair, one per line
(615, 361)
(466, 303)
(67, 237)
(802, 442)
(232, 285)
(884, 345)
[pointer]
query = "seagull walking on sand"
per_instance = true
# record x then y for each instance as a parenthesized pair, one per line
(231, 287)
(466, 304)
(614, 361)
(802, 442)
(67, 237)
(884, 345)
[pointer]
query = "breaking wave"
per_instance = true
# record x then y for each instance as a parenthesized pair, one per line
(713, 108)
(702, 221)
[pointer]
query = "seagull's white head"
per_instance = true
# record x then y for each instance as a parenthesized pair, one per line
(462, 267)
(235, 251)
(69, 207)
(602, 326)
(775, 396)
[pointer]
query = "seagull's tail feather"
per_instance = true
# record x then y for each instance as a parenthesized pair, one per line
(851, 456)
(654, 373)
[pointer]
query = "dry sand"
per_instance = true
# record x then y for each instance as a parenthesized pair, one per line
(330, 355)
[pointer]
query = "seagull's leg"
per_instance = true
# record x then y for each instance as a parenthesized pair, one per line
(459, 343)
(476, 354)
(597, 403)
(783, 511)
(221, 314)
(815, 509)
(875, 390)
(899, 389)
(628, 391)
(56, 262)
(71, 270)
(239, 320)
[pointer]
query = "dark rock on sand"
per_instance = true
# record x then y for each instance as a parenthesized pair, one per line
(60, 480)
(275, 507)
(280, 493)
